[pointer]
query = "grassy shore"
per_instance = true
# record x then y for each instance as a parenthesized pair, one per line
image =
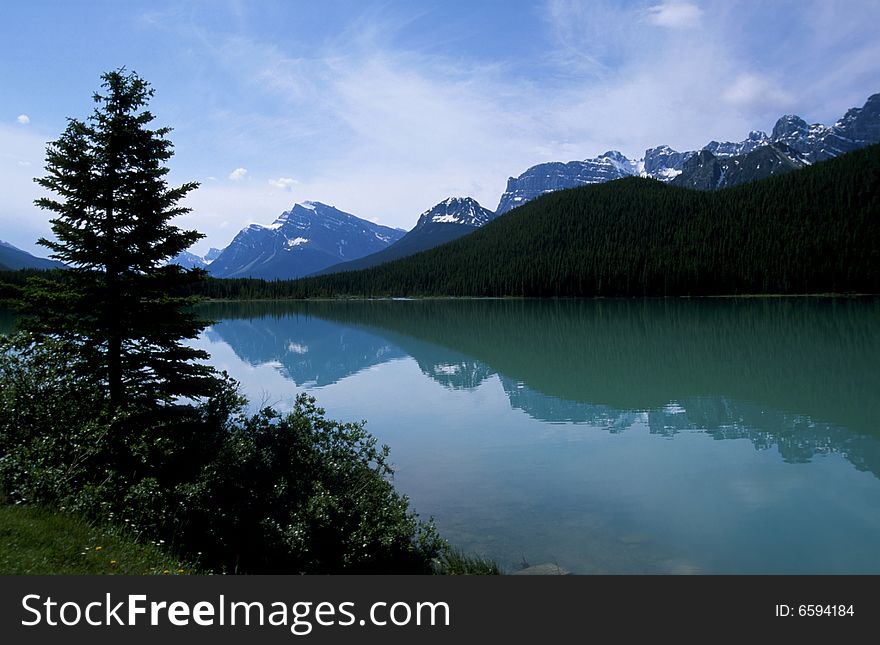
(41, 541)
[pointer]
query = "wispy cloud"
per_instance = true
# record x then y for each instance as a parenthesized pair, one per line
(675, 15)
(385, 110)
(23, 119)
(385, 132)
(21, 223)
(752, 90)
(283, 183)
(589, 38)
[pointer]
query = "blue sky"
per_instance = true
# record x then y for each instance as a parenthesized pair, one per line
(385, 108)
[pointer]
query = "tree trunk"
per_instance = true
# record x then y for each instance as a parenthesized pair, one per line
(114, 334)
(114, 371)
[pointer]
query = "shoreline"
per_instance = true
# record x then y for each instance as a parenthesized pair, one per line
(417, 298)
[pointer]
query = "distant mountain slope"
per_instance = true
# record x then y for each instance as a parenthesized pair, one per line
(13, 258)
(447, 221)
(212, 254)
(309, 237)
(755, 140)
(797, 143)
(547, 177)
(189, 260)
(706, 171)
(811, 231)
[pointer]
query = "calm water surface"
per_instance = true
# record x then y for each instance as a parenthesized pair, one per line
(608, 436)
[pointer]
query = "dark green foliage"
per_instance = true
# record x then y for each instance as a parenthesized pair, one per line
(304, 494)
(53, 428)
(118, 303)
(265, 493)
(11, 283)
(811, 231)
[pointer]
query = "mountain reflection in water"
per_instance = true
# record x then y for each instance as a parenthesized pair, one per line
(797, 374)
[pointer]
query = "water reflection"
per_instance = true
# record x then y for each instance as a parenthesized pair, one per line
(308, 350)
(800, 375)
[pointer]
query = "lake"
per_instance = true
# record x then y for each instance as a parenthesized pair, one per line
(607, 436)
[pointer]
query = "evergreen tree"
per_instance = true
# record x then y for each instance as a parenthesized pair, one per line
(119, 304)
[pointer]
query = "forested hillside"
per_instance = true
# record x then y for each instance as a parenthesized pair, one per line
(811, 231)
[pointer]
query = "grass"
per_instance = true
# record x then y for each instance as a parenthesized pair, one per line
(456, 563)
(42, 541)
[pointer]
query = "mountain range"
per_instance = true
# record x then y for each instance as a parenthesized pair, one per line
(447, 221)
(811, 231)
(792, 144)
(314, 238)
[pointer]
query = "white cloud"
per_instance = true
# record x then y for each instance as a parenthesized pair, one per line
(283, 183)
(755, 91)
(385, 132)
(413, 130)
(238, 174)
(21, 223)
(220, 210)
(24, 119)
(675, 15)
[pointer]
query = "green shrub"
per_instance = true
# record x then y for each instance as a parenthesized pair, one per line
(267, 493)
(53, 426)
(305, 494)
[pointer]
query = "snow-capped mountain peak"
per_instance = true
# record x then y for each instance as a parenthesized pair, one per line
(308, 237)
(456, 210)
(617, 159)
(755, 140)
(789, 126)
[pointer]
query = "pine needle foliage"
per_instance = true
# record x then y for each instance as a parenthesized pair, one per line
(120, 303)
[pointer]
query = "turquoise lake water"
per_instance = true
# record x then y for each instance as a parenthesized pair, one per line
(607, 436)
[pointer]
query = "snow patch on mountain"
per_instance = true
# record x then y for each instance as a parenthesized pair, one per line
(297, 241)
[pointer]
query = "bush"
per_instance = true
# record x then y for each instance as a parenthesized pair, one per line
(304, 494)
(262, 493)
(53, 426)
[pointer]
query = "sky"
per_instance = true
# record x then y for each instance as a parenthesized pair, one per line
(384, 109)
